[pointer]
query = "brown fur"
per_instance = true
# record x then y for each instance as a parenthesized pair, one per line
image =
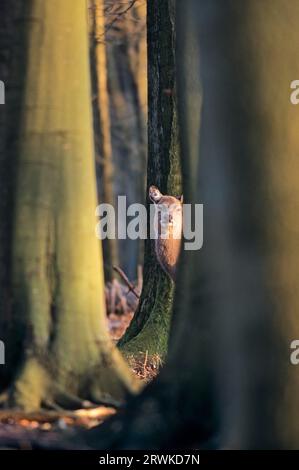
(168, 249)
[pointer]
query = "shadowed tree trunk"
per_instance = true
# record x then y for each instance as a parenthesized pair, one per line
(249, 184)
(12, 39)
(58, 313)
(149, 328)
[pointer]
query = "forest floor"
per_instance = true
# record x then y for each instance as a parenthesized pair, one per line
(13, 423)
(141, 367)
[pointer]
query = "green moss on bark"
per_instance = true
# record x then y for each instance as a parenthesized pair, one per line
(152, 340)
(150, 326)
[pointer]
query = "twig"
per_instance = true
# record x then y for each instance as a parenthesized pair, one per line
(126, 280)
(139, 277)
(46, 416)
(119, 15)
(145, 361)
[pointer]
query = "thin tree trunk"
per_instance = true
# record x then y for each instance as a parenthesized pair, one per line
(126, 54)
(137, 60)
(104, 145)
(149, 328)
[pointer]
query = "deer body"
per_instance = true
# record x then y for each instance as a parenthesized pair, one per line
(168, 229)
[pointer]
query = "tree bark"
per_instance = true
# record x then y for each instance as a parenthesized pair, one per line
(103, 145)
(57, 280)
(149, 328)
(12, 39)
(127, 79)
(249, 148)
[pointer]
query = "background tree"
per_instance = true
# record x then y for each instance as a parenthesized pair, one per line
(149, 328)
(127, 82)
(59, 333)
(102, 121)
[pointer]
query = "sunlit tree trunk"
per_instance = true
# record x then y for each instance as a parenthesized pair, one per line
(103, 143)
(136, 46)
(127, 76)
(57, 278)
(150, 325)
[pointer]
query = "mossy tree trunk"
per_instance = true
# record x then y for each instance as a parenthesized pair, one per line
(148, 331)
(58, 312)
(229, 382)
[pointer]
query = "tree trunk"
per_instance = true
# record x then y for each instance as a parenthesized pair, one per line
(249, 156)
(103, 145)
(136, 51)
(12, 40)
(148, 331)
(127, 76)
(57, 280)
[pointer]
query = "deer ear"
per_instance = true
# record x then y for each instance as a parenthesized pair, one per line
(154, 194)
(180, 198)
